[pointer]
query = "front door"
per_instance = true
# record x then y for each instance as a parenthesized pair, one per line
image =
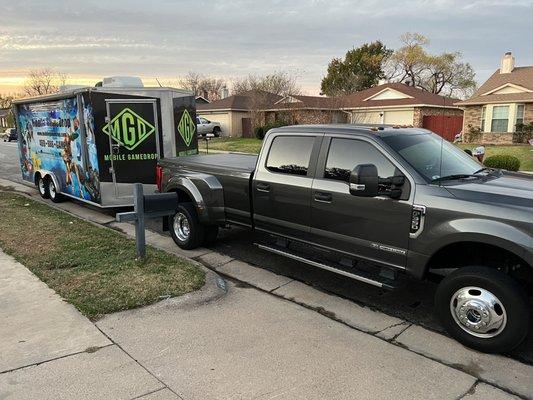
(133, 133)
(375, 229)
(282, 185)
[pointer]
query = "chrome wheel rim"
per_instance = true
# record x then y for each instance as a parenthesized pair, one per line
(52, 189)
(181, 227)
(478, 312)
(41, 186)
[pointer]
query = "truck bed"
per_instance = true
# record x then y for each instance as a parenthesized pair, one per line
(233, 171)
(244, 163)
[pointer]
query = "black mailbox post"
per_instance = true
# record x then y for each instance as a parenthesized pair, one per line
(147, 206)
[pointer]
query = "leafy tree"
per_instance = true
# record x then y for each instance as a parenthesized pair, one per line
(443, 73)
(361, 69)
(205, 86)
(43, 81)
(280, 83)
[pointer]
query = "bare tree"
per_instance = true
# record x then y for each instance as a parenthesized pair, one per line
(205, 86)
(43, 81)
(443, 73)
(6, 101)
(280, 83)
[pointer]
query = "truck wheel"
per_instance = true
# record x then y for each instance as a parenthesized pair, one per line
(185, 228)
(42, 187)
(55, 196)
(483, 308)
(211, 233)
(216, 131)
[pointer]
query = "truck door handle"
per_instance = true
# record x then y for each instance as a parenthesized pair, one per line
(262, 187)
(323, 197)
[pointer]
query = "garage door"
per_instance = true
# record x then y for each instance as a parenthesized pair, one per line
(366, 118)
(399, 117)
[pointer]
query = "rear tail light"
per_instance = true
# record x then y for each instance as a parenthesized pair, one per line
(159, 177)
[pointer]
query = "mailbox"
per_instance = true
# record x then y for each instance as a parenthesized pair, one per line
(160, 202)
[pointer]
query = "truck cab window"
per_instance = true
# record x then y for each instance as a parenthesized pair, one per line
(290, 154)
(345, 154)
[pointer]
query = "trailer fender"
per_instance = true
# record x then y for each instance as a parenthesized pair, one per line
(206, 193)
(46, 174)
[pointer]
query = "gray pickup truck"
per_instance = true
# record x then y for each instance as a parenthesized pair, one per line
(370, 203)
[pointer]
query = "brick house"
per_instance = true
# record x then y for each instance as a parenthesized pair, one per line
(502, 102)
(301, 110)
(400, 104)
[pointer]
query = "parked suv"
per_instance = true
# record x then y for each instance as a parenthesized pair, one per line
(205, 126)
(404, 201)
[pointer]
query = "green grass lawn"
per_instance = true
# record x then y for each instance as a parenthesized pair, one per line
(93, 268)
(523, 152)
(253, 145)
(243, 145)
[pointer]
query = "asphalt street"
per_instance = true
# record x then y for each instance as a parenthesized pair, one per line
(412, 302)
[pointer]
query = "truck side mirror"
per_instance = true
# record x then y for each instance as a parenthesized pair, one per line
(364, 181)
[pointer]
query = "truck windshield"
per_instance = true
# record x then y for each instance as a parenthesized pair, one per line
(433, 157)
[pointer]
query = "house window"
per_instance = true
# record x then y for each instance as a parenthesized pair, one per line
(500, 119)
(483, 116)
(519, 114)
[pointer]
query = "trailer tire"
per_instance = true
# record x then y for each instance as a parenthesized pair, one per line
(42, 187)
(483, 308)
(55, 196)
(185, 227)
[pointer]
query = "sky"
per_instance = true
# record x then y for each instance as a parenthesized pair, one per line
(230, 39)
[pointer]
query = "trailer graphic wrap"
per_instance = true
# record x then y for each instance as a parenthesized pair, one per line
(53, 140)
(185, 126)
(129, 129)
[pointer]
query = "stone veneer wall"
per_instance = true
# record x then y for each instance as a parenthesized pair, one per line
(420, 112)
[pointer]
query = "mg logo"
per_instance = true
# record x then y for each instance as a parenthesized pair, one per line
(186, 127)
(129, 129)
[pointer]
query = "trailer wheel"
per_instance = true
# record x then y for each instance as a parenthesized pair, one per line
(42, 187)
(55, 196)
(483, 308)
(185, 228)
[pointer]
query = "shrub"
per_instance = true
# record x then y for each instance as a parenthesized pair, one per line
(523, 133)
(261, 131)
(503, 161)
(473, 134)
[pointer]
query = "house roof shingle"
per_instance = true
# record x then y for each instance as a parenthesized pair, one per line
(521, 76)
(244, 101)
(417, 97)
(270, 101)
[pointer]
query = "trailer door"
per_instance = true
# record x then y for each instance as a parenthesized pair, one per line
(132, 128)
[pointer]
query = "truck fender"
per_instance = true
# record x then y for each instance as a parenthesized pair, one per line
(206, 193)
(486, 231)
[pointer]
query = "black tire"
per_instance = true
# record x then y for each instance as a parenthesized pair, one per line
(512, 307)
(216, 131)
(210, 236)
(196, 232)
(55, 196)
(42, 187)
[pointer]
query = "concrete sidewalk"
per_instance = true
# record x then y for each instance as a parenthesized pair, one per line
(48, 350)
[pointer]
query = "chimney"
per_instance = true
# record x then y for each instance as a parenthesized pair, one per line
(507, 65)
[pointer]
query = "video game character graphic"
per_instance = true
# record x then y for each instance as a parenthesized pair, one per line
(66, 155)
